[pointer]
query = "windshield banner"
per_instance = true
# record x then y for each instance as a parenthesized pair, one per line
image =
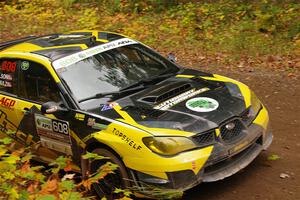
(74, 58)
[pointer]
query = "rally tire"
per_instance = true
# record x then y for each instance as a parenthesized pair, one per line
(119, 179)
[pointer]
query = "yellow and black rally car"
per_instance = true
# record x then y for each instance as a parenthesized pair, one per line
(165, 126)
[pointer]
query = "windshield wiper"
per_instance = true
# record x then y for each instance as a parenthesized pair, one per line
(133, 87)
(115, 93)
(148, 81)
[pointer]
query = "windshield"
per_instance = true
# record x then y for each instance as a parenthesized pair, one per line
(113, 70)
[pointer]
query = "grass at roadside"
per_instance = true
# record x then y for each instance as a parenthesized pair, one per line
(223, 32)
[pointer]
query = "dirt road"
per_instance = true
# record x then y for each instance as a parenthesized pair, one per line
(261, 179)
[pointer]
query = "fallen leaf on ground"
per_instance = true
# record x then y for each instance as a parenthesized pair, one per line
(273, 157)
(284, 176)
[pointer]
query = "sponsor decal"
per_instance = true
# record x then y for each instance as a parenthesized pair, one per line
(8, 103)
(105, 107)
(5, 83)
(61, 70)
(25, 65)
(8, 77)
(126, 139)
(238, 147)
(79, 116)
(9, 66)
(74, 58)
(82, 55)
(180, 98)
(194, 165)
(44, 123)
(99, 126)
(54, 125)
(92, 122)
(54, 134)
(202, 104)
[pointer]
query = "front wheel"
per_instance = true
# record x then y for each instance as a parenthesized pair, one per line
(119, 179)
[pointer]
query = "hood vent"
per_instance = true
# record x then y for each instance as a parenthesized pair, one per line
(167, 95)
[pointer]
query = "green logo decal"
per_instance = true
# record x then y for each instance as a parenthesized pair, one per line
(202, 104)
(24, 65)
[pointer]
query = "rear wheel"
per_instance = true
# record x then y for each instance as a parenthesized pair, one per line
(119, 179)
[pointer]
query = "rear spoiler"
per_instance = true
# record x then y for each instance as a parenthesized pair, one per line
(17, 41)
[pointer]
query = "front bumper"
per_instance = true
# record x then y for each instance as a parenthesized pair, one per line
(224, 167)
(224, 160)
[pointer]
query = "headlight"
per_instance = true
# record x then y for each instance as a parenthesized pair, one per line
(251, 113)
(168, 145)
(255, 104)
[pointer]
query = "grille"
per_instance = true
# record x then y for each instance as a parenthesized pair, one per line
(205, 138)
(229, 134)
(245, 116)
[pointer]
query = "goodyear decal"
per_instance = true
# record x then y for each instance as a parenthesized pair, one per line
(175, 100)
(74, 58)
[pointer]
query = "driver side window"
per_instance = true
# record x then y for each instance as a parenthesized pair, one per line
(36, 83)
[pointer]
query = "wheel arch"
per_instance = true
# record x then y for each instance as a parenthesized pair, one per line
(91, 145)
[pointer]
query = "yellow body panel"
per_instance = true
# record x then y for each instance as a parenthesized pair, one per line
(23, 47)
(143, 159)
(262, 119)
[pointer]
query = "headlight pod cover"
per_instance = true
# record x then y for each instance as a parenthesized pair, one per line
(168, 146)
(255, 105)
(253, 110)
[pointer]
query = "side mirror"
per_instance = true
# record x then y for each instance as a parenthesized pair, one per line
(52, 107)
(172, 57)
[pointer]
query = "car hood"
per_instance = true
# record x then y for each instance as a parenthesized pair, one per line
(188, 104)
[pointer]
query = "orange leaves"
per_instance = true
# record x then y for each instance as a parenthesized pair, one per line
(68, 167)
(50, 187)
(103, 171)
(26, 168)
(33, 188)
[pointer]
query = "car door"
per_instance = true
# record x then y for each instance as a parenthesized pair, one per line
(47, 134)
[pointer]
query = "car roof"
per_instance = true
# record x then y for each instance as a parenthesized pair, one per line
(56, 46)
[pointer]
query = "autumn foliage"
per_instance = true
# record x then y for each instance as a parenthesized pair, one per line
(259, 33)
(19, 179)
